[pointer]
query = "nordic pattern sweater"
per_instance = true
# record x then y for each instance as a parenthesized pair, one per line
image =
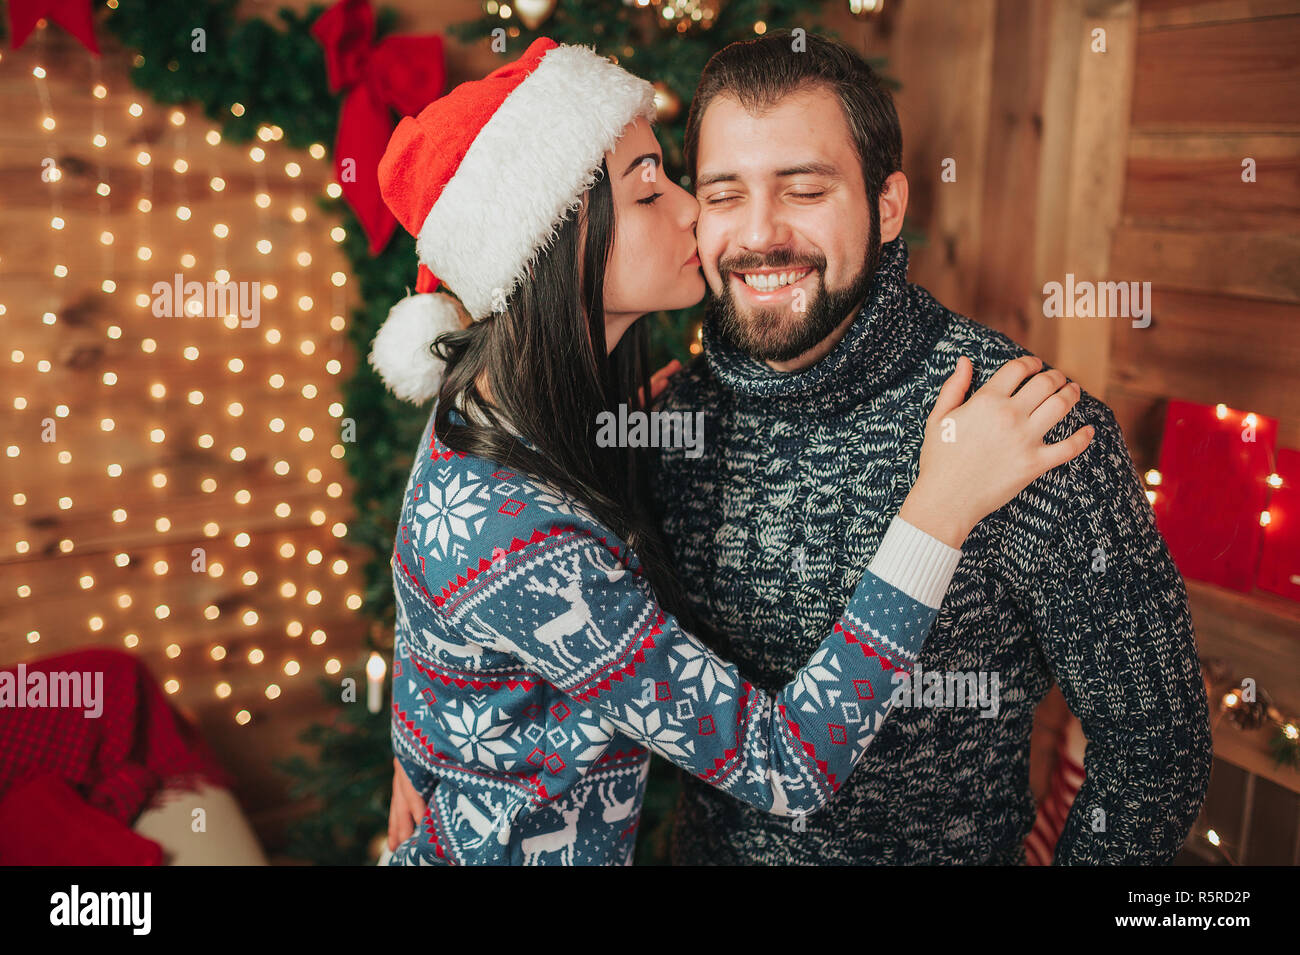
(1070, 581)
(534, 672)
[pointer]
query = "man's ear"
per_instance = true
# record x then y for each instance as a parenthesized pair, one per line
(893, 205)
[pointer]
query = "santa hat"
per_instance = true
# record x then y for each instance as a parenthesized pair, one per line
(483, 178)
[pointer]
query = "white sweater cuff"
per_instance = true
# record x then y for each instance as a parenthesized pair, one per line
(911, 560)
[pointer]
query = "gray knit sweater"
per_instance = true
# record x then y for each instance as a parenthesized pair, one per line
(771, 529)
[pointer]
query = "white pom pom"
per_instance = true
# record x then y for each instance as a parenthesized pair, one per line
(401, 353)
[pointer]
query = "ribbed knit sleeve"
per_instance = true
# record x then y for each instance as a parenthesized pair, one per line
(915, 563)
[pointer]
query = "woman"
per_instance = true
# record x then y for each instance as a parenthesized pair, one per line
(542, 647)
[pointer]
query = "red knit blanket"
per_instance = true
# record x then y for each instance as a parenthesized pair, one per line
(118, 761)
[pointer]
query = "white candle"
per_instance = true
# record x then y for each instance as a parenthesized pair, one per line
(375, 670)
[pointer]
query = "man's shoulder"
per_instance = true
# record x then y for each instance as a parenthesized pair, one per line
(1105, 468)
(988, 349)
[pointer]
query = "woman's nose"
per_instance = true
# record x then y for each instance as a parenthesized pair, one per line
(690, 209)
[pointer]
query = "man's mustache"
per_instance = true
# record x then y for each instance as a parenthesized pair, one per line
(777, 259)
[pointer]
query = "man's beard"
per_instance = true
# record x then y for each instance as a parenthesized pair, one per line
(780, 333)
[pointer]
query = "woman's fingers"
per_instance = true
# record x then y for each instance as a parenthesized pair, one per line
(659, 380)
(1010, 375)
(1048, 414)
(396, 811)
(1038, 389)
(1054, 455)
(405, 810)
(414, 804)
(953, 391)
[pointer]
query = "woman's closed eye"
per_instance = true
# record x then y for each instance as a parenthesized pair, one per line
(649, 200)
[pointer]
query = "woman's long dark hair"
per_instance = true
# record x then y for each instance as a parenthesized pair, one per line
(548, 374)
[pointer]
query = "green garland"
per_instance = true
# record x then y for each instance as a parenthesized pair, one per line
(277, 71)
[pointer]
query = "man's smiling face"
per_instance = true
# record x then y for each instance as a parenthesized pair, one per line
(785, 226)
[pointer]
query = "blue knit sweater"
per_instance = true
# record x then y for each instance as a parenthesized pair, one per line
(1070, 582)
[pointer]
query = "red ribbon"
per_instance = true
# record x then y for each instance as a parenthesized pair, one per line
(403, 73)
(73, 15)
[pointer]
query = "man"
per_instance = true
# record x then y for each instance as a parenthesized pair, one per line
(821, 363)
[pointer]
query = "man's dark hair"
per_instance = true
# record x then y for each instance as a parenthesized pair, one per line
(760, 72)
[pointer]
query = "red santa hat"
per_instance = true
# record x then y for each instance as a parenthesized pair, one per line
(482, 178)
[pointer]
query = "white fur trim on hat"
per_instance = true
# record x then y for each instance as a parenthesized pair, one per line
(525, 171)
(401, 353)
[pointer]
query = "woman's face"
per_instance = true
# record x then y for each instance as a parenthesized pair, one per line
(653, 266)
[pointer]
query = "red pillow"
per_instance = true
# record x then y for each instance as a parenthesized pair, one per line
(44, 821)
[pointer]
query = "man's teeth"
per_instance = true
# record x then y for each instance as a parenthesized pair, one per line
(773, 280)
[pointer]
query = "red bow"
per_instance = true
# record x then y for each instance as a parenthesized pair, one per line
(404, 73)
(73, 15)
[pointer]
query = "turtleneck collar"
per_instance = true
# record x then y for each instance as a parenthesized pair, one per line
(885, 339)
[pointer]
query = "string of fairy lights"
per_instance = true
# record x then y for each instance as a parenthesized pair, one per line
(1221, 411)
(300, 332)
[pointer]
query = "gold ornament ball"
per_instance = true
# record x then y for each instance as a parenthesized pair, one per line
(533, 13)
(668, 105)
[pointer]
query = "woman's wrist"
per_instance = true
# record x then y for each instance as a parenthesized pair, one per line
(937, 513)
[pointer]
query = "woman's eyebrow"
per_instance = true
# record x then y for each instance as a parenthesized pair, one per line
(653, 157)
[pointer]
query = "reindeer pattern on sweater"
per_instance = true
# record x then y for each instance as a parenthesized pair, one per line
(534, 673)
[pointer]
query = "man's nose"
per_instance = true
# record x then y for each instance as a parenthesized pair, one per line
(763, 227)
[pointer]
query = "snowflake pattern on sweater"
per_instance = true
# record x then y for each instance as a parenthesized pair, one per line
(534, 673)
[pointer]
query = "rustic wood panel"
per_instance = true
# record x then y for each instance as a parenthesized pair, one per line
(1232, 75)
(1156, 14)
(1258, 632)
(1006, 283)
(1193, 182)
(1207, 348)
(1264, 265)
(81, 351)
(943, 57)
(1085, 123)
